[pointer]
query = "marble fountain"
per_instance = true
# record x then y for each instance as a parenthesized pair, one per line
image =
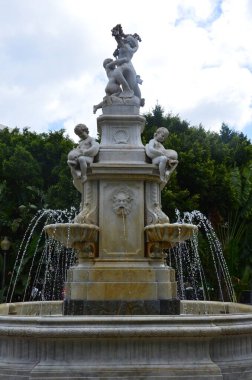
(121, 317)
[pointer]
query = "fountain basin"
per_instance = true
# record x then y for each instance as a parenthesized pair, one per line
(192, 346)
(170, 232)
(73, 235)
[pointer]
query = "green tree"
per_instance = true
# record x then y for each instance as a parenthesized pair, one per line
(214, 176)
(33, 175)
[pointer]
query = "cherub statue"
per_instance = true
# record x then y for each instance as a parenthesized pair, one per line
(127, 45)
(166, 159)
(83, 155)
(123, 80)
(113, 85)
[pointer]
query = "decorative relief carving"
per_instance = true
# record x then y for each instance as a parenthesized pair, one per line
(85, 216)
(85, 251)
(122, 199)
(121, 136)
(88, 213)
(160, 216)
(154, 213)
(155, 250)
(154, 193)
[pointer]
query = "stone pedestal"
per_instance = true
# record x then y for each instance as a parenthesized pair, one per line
(121, 138)
(120, 275)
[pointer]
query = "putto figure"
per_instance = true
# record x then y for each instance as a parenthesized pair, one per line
(113, 85)
(127, 45)
(123, 81)
(83, 155)
(166, 159)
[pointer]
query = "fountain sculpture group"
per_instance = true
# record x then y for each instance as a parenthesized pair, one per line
(121, 316)
(121, 230)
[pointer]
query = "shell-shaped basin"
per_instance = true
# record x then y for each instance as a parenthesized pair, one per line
(70, 234)
(170, 232)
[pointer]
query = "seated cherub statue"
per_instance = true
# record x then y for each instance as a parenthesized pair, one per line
(166, 159)
(83, 155)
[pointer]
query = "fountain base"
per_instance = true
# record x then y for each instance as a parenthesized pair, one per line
(34, 346)
(140, 307)
(141, 286)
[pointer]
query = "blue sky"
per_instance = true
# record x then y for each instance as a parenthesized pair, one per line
(248, 131)
(195, 60)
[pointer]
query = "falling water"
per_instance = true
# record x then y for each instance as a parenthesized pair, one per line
(192, 281)
(47, 271)
(124, 228)
(51, 260)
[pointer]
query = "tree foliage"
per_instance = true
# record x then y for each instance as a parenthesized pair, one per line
(214, 175)
(33, 175)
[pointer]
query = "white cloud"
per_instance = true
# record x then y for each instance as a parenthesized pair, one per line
(195, 58)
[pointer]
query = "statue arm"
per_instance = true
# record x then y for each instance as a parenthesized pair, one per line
(119, 62)
(133, 50)
(93, 150)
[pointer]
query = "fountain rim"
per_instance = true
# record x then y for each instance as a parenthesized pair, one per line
(105, 326)
(122, 326)
(229, 310)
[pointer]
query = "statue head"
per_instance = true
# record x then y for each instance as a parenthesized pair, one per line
(106, 61)
(161, 134)
(81, 130)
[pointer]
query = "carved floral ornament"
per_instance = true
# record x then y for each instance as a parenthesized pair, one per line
(122, 200)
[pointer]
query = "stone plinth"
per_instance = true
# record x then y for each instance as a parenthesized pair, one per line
(121, 138)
